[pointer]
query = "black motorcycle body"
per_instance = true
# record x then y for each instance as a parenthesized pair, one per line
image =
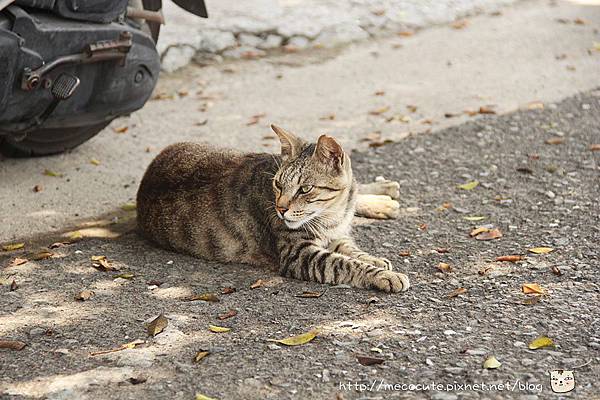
(69, 67)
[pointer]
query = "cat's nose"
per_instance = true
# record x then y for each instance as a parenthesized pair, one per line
(282, 210)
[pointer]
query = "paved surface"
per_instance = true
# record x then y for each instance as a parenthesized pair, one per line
(507, 61)
(252, 28)
(536, 194)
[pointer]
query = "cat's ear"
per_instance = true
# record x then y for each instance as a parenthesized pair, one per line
(290, 143)
(329, 151)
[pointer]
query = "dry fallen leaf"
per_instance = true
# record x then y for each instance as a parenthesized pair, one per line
(42, 255)
(404, 253)
(469, 185)
(38, 188)
(137, 380)
(379, 111)
(309, 294)
(541, 250)
(595, 147)
(474, 218)
(491, 363)
(555, 270)
(555, 140)
(540, 342)
(84, 295)
(95, 162)
(18, 261)
(200, 355)
(200, 396)
(128, 207)
(121, 129)
(535, 105)
(211, 297)
(157, 325)
(532, 288)
(486, 110)
(406, 33)
(457, 292)
(379, 93)
(218, 329)
(228, 314)
(130, 345)
(12, 344)
(101, 263)
(478, 230)
(257, 284)
(329, 117)
(13, 286)
(443, 250)
(13, 246)
(366, 360)
(297, 340)
(51, 173)
(443, 267)
(513, 258)
(124, 276)
(227, 290)
(489, 235)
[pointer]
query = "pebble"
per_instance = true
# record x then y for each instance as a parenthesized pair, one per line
(37, 332)
(271, 42)
(519, 344)
(528, 362)
(78, 252)
(449, 332)
(476, 352)
(325, 376)
(585, 106)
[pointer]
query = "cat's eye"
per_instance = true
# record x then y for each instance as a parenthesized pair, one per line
(305, 189)
(277, 185)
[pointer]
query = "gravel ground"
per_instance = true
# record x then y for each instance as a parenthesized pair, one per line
(537, 194)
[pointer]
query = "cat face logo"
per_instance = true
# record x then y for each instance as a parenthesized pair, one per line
(562, 381)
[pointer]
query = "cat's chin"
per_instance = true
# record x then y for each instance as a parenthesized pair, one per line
(294, 224)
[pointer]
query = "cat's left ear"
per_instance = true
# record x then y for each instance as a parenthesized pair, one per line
(329, 151)
(290, 143)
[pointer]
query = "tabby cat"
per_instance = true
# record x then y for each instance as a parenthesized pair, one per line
(292, 212)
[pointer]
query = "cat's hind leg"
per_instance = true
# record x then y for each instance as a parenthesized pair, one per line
(381, 186)
(376, 206)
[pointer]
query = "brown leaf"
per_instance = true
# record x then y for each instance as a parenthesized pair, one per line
(525, 170)
(485, 270)
(486, 110)
(580, 21)
(228, 314)
(451, 115)
(533, 288)
(18, 261)
(555, 270)
(478, 231)
(406, 33)
(13, 246)
(200, 355)
(13, 286)
(121, 129)
(379, 111)
(329, 117)
(12, 344)
(154, 282)
(137, 380)
(210, 297)
(457, 292)
(489, 235)
(555, 140)
(443, 267)
(38, 188)
(404, 253)
(255, 119)
(42, 255)
(595, 147)
(513, 258)
(227, 290)
(379, 93)
(84, 295)
(366, 360)
(257, 284)
(101, 263)
(460, 24)
(308, 294)
(157, 325)
(443, 250)
(130, 345)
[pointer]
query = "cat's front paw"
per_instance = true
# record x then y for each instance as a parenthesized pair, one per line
(378, 262)
(391, 282)
(381, 186)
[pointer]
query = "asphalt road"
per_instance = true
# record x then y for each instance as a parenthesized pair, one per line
(535, 51)
(538, 185)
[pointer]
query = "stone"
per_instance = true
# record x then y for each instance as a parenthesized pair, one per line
(37, 332)
(247, 39)
(298, 42)
(271, 42)
(177, 57)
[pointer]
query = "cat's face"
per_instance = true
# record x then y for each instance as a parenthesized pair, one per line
(562, 381)
(312, 185)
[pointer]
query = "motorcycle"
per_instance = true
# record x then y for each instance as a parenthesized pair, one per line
(69, 67)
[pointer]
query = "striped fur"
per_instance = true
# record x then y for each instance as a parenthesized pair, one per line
(292, 212)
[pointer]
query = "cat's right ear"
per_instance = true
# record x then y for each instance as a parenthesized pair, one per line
(290, 143)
